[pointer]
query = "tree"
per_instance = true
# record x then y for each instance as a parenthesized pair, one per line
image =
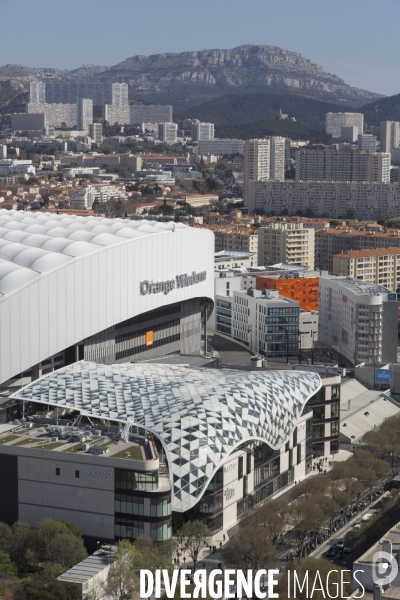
(384, 443)
(315, 570)
(20, 542)
(5, 537)
(271, 516)
(7, 567)
(326, 214)
(250, 548)
(381, 218)
(305, 517)
(196, 536)
(122, 579)
(351, 214)
(312, 487)
(43, 586)
(308, 213)
(66, 549)
(154, 556)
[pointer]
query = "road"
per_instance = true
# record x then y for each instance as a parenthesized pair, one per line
(230, 352)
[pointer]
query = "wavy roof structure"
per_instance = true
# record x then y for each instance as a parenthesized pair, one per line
(200, 415)
(35, 243)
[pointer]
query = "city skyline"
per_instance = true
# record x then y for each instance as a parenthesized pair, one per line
(344, 49)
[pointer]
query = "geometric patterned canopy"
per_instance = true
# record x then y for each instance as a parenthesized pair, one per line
(199, 415)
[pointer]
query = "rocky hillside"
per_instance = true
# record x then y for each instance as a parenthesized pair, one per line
(188, 78)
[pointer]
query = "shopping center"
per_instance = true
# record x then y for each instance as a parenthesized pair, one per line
(139, 448)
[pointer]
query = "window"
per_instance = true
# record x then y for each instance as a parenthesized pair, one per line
(335, 392)
(290, 458)
(335, 428)
(240, 467)
(287, 447)
(130, 480)
(319, 413)
(129, 505)
(159, 532)
(334, 446)
(318, 431)
(211, 503)
(248, 461)
(308, 427)
(295, 437)
(58, 472)
(160, 507)
(77, 474)
(245, 486)
(126, 527)
(334, 411)
(216, 481)
(241, 507)
(298, 454)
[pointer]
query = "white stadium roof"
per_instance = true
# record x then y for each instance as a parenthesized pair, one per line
(32, 244)
(65, 278)
(200, 415)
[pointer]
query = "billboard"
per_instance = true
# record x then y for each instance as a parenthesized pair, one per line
(383, 376)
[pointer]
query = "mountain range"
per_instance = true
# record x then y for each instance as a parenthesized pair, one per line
(189, 78)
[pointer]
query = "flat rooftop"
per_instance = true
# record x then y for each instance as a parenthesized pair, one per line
(90, 567)
(393, 535)
(83, 440)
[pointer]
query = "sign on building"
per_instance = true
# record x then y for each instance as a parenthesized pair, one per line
(383, 375)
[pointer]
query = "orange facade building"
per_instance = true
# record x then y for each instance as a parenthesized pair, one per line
(303, 289)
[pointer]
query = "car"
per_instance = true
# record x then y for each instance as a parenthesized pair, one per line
(347, 550)
(331, 551)
(357, 526)
(340, 544)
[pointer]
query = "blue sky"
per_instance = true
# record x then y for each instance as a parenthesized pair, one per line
(355, 39)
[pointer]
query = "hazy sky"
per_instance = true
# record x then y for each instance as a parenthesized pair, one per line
(355, 39)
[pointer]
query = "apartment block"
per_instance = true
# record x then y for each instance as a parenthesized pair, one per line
(349, 134)
(264, 159)
(167, 132)
(390, 135)
(202, 131)
(37, 92)
(70, 93)
(368, 199)
(221, 146)
(288, 242)
(55, 114)
(84, 114)
(380, 266)
(117, 113)
(303, 289)
(335, 121)
(277, 158)
(237, 238)
(367, 142)
(96, 132)
(343, 165)
(336, 240)
(358, 319)
(28, 122)
(150, 113)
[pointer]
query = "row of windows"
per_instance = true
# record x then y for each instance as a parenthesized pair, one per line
(143, 347)
(211, 503)
(283, 311)
(133, 505)
(224, 329)
(131, 480)
(269, 470)
(224, 304)
(265, 492)
(128, 528)
(280, 320)
(150, 316)
(142, 332)
(319, 430)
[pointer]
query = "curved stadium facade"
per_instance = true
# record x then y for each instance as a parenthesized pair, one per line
(100, 289)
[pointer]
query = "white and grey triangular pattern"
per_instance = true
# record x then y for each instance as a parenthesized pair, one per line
(200, 415)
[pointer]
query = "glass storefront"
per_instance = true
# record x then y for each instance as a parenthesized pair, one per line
(131, 480)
